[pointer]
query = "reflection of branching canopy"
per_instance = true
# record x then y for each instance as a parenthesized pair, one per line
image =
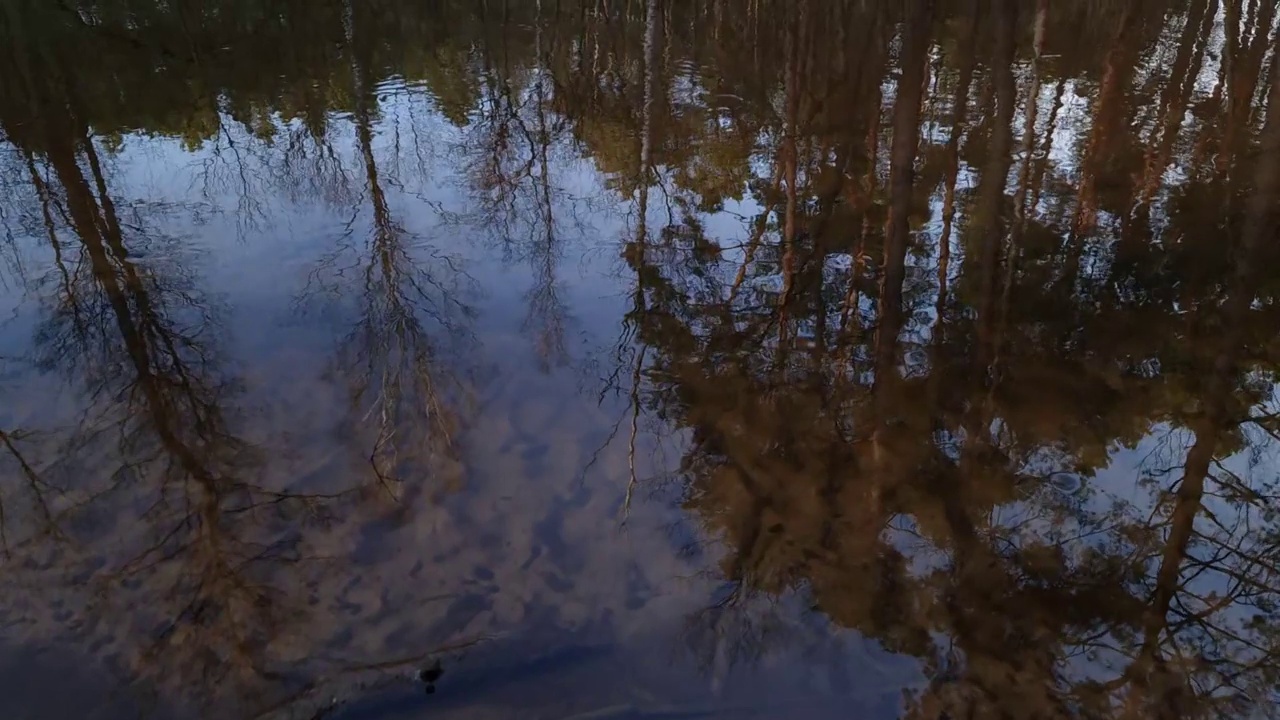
(874, 397)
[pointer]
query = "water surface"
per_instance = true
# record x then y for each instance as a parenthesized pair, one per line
(649, 359)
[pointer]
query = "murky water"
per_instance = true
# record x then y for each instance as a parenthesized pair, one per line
(650, 359)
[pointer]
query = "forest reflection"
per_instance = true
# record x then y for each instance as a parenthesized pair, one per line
(957, 312)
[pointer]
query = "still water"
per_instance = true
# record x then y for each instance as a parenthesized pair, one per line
(647, 359)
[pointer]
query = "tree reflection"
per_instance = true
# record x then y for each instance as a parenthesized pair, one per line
(160, 528)
(156, 459)
(985, 371)
(512, 153)
(398, 387)
(917, 496)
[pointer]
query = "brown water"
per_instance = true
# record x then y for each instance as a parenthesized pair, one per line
(646, 359)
